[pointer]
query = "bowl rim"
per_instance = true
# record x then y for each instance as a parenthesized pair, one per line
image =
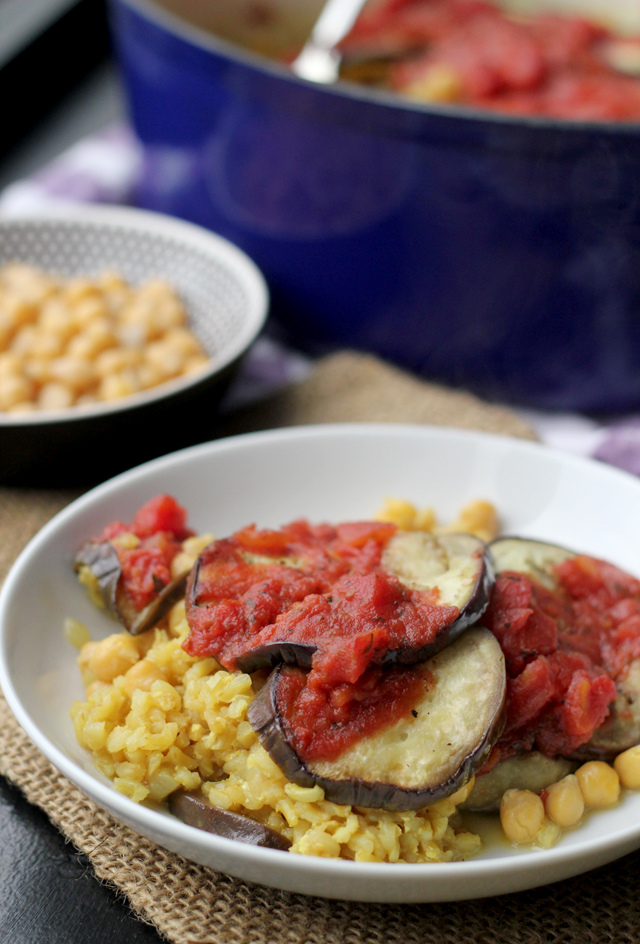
(151, 222)
(160, 16)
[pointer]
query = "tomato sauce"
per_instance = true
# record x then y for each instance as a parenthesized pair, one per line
(320, 588)
(323, 723)
(161, 526)
(474, 53)
(563, 649)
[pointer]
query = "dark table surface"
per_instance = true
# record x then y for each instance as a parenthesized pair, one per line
(48, 892)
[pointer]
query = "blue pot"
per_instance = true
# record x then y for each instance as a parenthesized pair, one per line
(497, 253)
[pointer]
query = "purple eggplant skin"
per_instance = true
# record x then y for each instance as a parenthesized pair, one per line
(193, 810)
(404, 557)
(415, 762)
(102, 560)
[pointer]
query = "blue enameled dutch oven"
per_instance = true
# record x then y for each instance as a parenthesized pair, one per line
(498, 253)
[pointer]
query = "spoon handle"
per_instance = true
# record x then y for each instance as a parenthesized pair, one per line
(319, 61)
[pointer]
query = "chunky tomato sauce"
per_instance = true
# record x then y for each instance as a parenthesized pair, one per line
(320, 588)
(563, 651)
(471, 52)
(323, 723)
(146, 568)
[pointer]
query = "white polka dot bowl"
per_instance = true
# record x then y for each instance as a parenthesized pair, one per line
(226, 302)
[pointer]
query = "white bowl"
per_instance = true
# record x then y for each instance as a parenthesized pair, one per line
(226, 300)
(324, 473)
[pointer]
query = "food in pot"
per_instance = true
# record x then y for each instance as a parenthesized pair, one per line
(82, 341)
(475, 53)
(359, 743)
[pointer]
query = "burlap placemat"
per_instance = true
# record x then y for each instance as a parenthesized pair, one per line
(188, 903)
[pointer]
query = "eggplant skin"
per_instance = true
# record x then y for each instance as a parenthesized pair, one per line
(416, 761)
(104, 565)
(193, 810)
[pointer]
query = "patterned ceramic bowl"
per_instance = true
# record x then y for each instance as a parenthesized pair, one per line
(226, 300)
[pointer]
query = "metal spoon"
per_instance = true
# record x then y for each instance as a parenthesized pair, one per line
(319, 61)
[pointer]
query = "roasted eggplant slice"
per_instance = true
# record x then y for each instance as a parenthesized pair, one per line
(426, 755)
(534, 558)
(532, 771)
(539, 560)
(621, 730)
(406, 601)
(99, 569)
(193, 810)
(457, 566)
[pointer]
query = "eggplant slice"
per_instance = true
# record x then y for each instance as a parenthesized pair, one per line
(533, 771)
(418, 760)
(536, 559)
(193, 810)
(621, 730)
(103, 566)
(456, 565)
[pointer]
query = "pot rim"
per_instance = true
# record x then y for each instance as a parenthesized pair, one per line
(196, 35)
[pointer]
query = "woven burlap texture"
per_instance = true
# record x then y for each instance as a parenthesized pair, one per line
(188, 903)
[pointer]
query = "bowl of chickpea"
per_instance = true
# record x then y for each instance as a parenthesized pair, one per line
(120, 331)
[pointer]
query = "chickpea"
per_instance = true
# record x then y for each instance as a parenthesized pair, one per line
(14, 389)
(564, 803)
(599, 783)
(169, 362)
(10, 363)
(196, 363)
(118, 385)
(142, 675)
(398, 511)
(479, 518)
(92, 340)
(78, 289)
(23, 340)
(627, 766)
(54, 318)
(180, 339)
(149, 376)
(37, 369)
(110, 362)
(88, 310)
(75, 372)
(17, 311)
(521, 815)
(110, 657)
(55, 396)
